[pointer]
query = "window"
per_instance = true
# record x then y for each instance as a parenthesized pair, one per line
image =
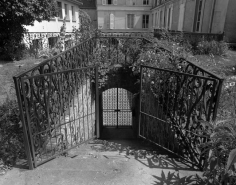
(130, 21)
(168, 21)
(103, 2)
(156, 20)
(73, 13)
(131, 2)
(52, 41)
(199, 13)
(153, 20)
(161, 19)
(59, 13)
(145, 2)
(37, 43)
(66, 12)
(109, 1)
(112, 21)
(145, 21)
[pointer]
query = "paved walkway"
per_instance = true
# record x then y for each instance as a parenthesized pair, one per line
(107, 163)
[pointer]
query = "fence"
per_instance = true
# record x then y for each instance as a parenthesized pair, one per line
(58, 99)
(190, 36)
(175, 106)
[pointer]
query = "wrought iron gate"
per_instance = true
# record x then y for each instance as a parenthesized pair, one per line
(174, 107)
(58, 111)
(117, 106)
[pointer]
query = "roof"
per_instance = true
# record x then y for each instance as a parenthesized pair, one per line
(88, 4)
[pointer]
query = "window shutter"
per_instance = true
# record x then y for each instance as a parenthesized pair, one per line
(103, 2)
(115, 2)
(112, 21)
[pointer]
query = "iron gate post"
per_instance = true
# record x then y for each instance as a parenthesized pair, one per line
(25, 135)
(218, 98)
(140, 100)
(97, 103)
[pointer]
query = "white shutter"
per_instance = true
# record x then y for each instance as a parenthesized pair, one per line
(181, 17)
(115, 2)
(104, 2)
(112, 21)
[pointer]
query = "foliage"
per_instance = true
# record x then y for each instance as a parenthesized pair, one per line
(227, 104)
(221, 150)
(195, 44)
(111, 55)
(82, 33)
(11, 133)
(59, 47)
(211, 47)
(85, 29)
(14, 15)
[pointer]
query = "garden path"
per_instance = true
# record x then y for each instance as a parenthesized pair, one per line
(108, 162)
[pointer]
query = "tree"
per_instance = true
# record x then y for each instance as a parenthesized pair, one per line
(85, 30)
(14, 15)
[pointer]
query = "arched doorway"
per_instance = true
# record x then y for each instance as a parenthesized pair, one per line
(117, 108)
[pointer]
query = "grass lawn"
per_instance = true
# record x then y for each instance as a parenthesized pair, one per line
(7, 71)
(221, 65)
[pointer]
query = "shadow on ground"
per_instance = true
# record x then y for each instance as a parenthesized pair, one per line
(146, 153)
(175, 179)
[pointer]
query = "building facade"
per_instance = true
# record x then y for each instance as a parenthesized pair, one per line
(201, 16)
(124, 15)
(45, 34)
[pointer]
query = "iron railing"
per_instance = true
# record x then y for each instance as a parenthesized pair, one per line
(190, 36)
(51, 93)
(58, 99)
(58, 111)
(175, 107)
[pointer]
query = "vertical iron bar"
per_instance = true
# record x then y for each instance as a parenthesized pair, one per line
(140, 99)
(25, 135)
(97, 103)
(73, 105)
(69, 104)
(87, 98)
(28, 123)
(219, 89)
(46, 106)
(61, 109)
(83, 101)
(91, 103)
(211, 100)
(57, 90)
(78, 116)
(49, 90)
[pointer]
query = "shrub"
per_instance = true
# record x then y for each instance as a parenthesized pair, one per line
(220, 167)
(14, 52)
(14, 15)
(211, 47)
(11, 133)
(195, 44)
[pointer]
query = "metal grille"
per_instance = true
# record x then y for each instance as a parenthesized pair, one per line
(117, 107)
(173, 106)
(58, 111)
